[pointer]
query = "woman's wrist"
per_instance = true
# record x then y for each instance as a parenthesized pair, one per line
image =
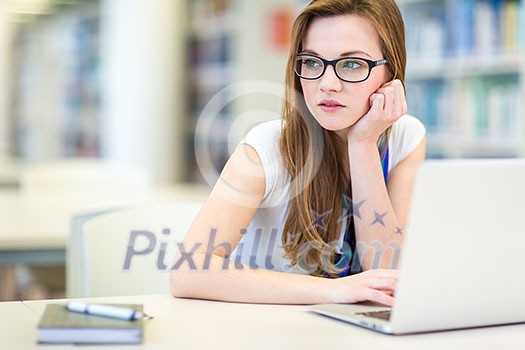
(360, 145)
(363, 140)
(330, 291)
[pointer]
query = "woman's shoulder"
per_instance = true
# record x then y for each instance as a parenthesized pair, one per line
(265, 131)
(407, 133)
(407, 129)
(408, 124)
(265, 140)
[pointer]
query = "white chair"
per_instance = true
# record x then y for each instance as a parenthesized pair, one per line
(130, 251)
(75, 253)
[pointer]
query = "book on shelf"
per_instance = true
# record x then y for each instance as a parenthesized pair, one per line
(58, 325)
(478, 107)
(464, 28)
(521, 25)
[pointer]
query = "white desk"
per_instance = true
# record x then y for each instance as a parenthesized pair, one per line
(17, 326)
(198, 324)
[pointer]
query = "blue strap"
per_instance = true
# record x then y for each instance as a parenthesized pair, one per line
(344, 261)
(384, 163)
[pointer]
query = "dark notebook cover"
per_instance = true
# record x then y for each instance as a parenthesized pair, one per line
(58, 325)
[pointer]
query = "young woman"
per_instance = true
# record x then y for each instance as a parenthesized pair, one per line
(313, 208)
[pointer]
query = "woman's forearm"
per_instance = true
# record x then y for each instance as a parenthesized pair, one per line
(378, 231)
(217, 279)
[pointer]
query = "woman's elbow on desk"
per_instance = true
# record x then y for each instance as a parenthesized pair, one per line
(181, 284)
(195, 278)
(177, 285)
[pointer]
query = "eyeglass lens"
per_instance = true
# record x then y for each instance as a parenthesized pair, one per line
(351, 69)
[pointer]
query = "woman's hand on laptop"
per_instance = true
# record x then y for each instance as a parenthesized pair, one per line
(372, 285)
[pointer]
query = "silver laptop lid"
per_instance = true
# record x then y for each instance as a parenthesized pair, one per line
(463, 259)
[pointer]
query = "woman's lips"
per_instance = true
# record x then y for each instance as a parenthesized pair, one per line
(330, 105)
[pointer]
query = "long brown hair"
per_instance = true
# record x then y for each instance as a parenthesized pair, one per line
(313, 156)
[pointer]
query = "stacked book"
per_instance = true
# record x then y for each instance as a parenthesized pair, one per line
(58, 325)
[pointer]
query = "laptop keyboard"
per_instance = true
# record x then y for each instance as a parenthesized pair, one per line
(383, 314)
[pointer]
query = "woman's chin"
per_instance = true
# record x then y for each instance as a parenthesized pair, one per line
(334, 124)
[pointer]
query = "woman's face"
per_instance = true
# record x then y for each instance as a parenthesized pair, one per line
(335, 104)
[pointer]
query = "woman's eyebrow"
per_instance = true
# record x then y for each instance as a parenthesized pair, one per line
(344, 54)
(354, 52)
(310, 52)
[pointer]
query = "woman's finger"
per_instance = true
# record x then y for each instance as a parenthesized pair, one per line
(401, 99)
(379, 297)
(383, 284)
(377, 102)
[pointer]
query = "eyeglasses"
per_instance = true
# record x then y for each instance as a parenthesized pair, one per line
(349, 69)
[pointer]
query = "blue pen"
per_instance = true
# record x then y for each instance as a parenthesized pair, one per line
(110, 311)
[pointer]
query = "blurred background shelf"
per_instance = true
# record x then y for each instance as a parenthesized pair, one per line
(55, 107)
(233, 41)
(466, 75)
(463, 66)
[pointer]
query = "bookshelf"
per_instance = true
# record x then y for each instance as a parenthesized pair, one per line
(466, 75)
(98, 79)
(55, 71)
(234, 44)
(211, 67)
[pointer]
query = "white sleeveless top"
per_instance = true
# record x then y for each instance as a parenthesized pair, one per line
(261, 245)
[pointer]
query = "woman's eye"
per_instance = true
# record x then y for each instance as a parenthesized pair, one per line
(351, 65)
(311, 63)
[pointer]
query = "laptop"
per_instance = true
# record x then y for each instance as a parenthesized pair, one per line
(463, 259)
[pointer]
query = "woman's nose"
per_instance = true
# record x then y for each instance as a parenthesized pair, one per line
(330, 81)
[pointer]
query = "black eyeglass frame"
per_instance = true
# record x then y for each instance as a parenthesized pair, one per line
(326, 63)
